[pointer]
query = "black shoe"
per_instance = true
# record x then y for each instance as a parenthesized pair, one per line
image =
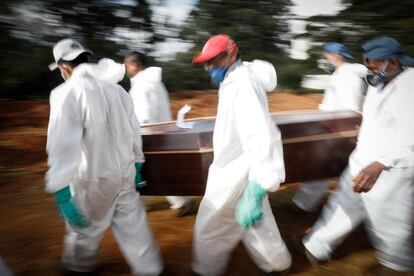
(67, 272)
(192, 273)
(300, 249)
(276, 273)
(295, 209)
(187, 209)
(380, 270)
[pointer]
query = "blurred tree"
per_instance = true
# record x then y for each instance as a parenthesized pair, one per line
(30, 28)
(259, 27)
(112, 27)
(362, 20)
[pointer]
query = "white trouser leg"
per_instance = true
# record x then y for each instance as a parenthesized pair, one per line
(133, 234)
(265, 245)
(217, 233)
(145, 200)
(310, 194)
(343, 212)
(81, 245)
(176, 202)
(390, 222)
(131, 230)
(4, 269)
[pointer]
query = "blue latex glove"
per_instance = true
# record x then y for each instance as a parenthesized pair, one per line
(139, 182)
(69, 210)
(249, 207)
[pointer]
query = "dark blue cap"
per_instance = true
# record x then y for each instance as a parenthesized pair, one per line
(385, 47)
(336, 48)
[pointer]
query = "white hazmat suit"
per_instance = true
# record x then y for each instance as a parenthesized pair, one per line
(346, 88)
(152, 105)
(345, 91)
(386, 136)
(150, 96)
(93, 143)
(247, 146)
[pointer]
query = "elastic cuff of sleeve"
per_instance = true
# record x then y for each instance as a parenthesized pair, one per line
(138, 166)
(259, 188)
(386, 162)
(63, 195)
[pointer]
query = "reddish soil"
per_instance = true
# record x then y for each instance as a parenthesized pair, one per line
(31, 231)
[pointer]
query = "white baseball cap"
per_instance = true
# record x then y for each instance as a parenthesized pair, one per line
(67, 49)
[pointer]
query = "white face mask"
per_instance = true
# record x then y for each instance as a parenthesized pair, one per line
(326, 65)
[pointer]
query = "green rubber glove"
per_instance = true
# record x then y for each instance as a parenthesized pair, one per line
(69, 210)
(249, 207)
(139, 182)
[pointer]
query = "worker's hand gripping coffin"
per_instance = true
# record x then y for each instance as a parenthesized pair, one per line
(316, 145)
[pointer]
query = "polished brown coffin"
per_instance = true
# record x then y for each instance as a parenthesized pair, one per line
(316, 145)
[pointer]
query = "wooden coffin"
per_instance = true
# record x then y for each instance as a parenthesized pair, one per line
(316, 145)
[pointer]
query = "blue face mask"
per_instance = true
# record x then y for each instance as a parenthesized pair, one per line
(217, 74)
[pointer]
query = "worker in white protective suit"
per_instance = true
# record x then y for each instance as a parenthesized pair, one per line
(248, 162)
(152, 105)
(378, 186)
(94, 158)
(345, 91)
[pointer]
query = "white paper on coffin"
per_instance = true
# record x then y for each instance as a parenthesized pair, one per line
(181, 117)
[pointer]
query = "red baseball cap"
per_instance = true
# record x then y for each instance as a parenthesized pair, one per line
(214, 46)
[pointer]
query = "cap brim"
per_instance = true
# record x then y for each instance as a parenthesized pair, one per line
(347, 55)
(53, 66)
(70, 57)
(204, 57)
(406, 60)
(201, 58)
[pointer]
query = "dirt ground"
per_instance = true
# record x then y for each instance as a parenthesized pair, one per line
(31, 230)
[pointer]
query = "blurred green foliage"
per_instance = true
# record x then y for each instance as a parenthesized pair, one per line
(30, 28)
(363, 20)
(257, 27)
